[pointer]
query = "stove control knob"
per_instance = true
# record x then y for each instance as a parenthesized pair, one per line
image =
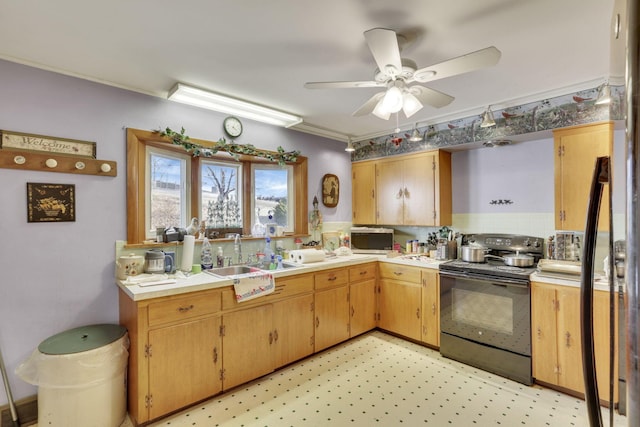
(527, 243)
(536, 244)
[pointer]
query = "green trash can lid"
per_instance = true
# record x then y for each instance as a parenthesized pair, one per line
(81, 339)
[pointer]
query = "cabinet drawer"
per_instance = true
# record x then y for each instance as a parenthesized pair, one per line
(184, 308)
(399, 272)
(285, 287)
(331, 278)
(362, 272)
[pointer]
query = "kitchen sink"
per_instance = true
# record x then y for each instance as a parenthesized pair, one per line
(232, 270)
(265, 265)
(236, 270)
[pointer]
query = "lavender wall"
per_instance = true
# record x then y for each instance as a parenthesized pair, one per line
(59, 276)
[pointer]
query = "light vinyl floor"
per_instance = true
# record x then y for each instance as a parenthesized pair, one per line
(379, 379)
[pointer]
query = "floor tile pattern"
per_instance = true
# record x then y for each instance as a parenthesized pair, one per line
(379, 379)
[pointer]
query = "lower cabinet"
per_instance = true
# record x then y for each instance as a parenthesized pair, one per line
(409, 302)
(178, 375)
(362, 298)
(399, 300)
(331, 308)
(431, 307)
(556, 341)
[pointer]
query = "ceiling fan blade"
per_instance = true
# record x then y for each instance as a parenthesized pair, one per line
(462, 64)
(368, 106)
(431, 96)
(342, 85)
(383, 44)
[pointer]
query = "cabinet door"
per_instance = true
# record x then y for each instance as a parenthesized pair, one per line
(184, 364)
(390, 189)
(247, 345)
(569, 341)
(544, 327)
(601, 337)
(362, 298)
(399, 305)
(430, 308)
(332, 317)
(419, 197)
(363, 200)
(292, 329)
(576, 150)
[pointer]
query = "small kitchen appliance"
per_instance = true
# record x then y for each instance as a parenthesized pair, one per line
(156, 262)
(368, 240)
(485, 305)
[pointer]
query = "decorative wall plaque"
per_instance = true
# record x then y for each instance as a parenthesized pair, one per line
(51, 202)
(47, 144)
(330, 190)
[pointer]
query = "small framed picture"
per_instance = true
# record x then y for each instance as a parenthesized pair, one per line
(330, 190)
(331, 241)
(51, 202)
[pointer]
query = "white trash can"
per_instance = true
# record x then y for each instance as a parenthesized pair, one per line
(81, 377)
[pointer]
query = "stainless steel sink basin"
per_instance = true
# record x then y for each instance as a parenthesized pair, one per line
(232, 270)
(265, 265)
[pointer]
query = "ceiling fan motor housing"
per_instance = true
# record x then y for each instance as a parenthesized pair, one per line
(408, 68)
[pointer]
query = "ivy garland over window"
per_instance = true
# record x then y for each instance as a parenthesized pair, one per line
(234, 150)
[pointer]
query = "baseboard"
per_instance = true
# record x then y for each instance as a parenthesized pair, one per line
(27, 410)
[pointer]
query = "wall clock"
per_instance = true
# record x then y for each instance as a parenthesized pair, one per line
(330, 190)
(232, 126)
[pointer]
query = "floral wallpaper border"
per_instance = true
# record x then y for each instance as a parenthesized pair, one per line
(552, 113)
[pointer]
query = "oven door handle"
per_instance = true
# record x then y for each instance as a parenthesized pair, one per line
(498, 281)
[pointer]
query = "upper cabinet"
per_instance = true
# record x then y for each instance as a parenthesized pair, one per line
(363, 194)
(414, 189)
(576, 150)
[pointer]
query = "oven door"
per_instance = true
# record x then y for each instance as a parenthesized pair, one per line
(494, 312)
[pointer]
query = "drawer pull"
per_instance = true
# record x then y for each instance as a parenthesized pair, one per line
(332, 278)
(398, 273)
(362, 273)
(185, 309)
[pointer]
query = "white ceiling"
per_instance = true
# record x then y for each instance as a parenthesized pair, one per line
(264, 51)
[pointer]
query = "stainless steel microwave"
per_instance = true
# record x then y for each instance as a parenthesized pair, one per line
(369, 240)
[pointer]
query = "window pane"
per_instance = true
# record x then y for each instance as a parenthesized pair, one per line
(220, 195)
(272, 190)
(167, 201)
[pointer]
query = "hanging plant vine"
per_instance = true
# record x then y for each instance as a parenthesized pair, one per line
(233, 149)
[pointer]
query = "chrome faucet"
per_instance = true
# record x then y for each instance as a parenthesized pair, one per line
(237, 248)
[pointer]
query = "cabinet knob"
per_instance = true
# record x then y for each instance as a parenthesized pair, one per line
(215, 354)
(317, 322)
(568, 338)
(418, 312)
(433, 308)
(275, 335)
(270, 338)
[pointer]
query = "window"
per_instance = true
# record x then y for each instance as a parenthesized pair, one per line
(158, 171)
(221, 194)
(273, 198)
(166, 184)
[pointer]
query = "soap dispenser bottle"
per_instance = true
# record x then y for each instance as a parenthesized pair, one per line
(267, 249)
(206, 258)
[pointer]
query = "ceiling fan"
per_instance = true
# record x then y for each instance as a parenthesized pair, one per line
(397, 74)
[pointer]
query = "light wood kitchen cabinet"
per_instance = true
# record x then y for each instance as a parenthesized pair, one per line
(293, 329)
(414, 190)
(331, 305)
(175, 351)
(556, 341)
(431, 307)
(363, 192)
(576, 151)
(399, 300)
(362, 298)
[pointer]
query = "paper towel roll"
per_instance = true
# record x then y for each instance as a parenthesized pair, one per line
(187, 253)
(306, 256)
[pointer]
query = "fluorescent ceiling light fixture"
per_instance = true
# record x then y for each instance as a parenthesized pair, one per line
(487, 118)
(213, 101)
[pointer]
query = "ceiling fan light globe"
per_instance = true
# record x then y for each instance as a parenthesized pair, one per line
(410, 104)
(392, 100)
(380, 111)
